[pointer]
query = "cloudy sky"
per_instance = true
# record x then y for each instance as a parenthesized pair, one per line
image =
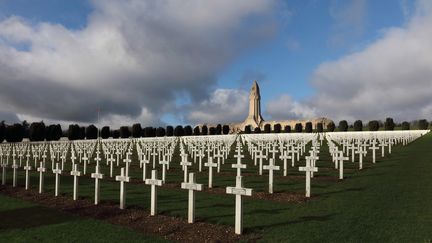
(161, 62)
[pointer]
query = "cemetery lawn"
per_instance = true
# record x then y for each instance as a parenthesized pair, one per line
(387, 201)
(23, 221)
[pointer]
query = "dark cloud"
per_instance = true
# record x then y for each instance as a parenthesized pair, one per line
(132, 59)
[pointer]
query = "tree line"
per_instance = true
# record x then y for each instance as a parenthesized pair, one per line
(343, 126)
(38, 131)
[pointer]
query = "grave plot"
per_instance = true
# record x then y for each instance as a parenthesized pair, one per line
(264, 172)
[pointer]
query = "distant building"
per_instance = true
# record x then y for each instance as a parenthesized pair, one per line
(255, 119)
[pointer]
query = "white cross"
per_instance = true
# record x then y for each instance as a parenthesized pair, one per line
(27, 168)
(144, 163)
(127, 161)
(340, 159)
(57, 173)
(153, 199)
(260, 156)
(192, 186)
(239, 166)
(373, 148)
(200, 155)
(41, 170)
(154, 158)
(97, 176)
(122, 178)
(14, 177)
(185, 165)
(76, 174)
(4, 166)
(271, 167)
(361, 153)
(210, 165)
(164, 163)
(239, 191)
(308, 169)
(284, 157)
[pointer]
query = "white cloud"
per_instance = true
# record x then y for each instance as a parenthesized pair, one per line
(223, 105)
(131, 56)
(392, 77)
(284, 108)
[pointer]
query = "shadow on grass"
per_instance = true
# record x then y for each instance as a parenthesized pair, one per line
(321, 218)
(23, 218)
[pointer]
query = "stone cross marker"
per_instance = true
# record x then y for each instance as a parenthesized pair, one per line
(361, 153)
(373, 148)
(122, 178)
(239, 191)
(97, 176)
(210, 165)
(57, 173)
(260, 156)
(4, 165)
(164, 163)
(271, 167)
(27, 168)
(41, 170)
(76, 174)
(14, 175)
(340, 159)
(185, 165)
(284, 157)
(111, 160)
(308, 169)
(239, 166)
(192, 186)
(153, 199)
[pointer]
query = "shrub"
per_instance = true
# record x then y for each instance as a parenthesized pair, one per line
(73, 132)
(14, 133)
(331, 127)
(389, 124)
(53, 132)
(308, 127)
(287, 129)
(225, 129)
(204, 130)
(116, 133)
(149, 132)
(219, 129)
(405, 125)
(320, 127)
(105, 132)
(2, 131)
(298, 127)
(277, 128)
(91, 132)
(423, 124)
(124, 132)
(169, 131)
(178, 131)
(343, 126)
(81, 133)
(247, 129)
(212, 131)
(373, 125)
(358, 125)
(188, 130)
(136, 130)
(267, 128)
(160, 132)
(257, 130)
(37, 131)
(196, 131)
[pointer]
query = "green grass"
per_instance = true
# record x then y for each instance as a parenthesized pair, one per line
(388, 201)
(27, 222)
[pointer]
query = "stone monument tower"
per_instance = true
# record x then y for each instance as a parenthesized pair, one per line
(254, 117)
